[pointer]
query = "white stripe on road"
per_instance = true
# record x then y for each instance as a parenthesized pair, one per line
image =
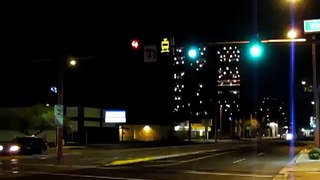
(227, 174)
(190, 160)
(82, 176)
(260, 154)
(238, 161)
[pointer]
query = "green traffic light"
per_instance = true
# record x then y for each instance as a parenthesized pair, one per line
(256, 50)
(193, 53)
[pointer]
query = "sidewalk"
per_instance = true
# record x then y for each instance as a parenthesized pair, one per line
(301, 168)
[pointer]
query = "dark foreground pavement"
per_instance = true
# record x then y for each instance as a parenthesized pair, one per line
(262, 161)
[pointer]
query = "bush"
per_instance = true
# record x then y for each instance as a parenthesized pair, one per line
(314, 153)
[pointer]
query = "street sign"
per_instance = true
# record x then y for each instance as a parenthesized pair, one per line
(150, 53)
(58, 114)
(312, 26)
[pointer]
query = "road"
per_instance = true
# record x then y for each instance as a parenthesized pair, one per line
(257, 161)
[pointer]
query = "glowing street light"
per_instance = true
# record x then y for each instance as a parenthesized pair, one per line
(303, 82)
(293, 1)
(72, 62)
(292, 34)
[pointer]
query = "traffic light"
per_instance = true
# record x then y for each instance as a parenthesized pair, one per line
(256, 50)
(135, 44)
(193, 53)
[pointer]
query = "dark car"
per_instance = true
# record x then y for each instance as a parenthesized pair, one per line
(24, 145)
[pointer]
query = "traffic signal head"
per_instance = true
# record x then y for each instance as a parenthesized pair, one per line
(256, 50)
(193, 53)
(135, 44)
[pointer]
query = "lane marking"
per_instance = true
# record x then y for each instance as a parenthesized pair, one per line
(129, 161)
(136, 160)
(83, 176)
(227, 174)
(189, 160)
(243, 159)
(260, 154)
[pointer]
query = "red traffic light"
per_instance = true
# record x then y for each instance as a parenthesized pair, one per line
(135, 44)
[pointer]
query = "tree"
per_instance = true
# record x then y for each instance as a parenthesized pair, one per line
(253, 125)
(38, 117)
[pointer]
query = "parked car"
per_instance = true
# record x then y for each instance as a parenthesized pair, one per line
(24, 145)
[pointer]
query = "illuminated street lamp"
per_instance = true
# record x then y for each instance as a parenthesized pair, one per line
(303, 82)
(293, 1)
(72, 62)
(292, 34)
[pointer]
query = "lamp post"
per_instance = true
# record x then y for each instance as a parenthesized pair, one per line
(60, 102)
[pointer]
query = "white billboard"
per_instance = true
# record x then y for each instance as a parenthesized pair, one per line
(115, 116)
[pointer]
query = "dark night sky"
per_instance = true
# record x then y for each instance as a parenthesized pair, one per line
(116, 78)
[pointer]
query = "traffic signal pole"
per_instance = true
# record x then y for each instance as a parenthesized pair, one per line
(315, 93)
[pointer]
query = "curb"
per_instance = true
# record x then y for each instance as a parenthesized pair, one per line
(70, 147)
(284, 172)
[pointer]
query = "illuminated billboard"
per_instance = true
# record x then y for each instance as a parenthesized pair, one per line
(115, 116)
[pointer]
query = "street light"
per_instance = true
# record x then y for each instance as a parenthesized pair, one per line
(292, 34)
(293, 1)
(73, 62)
(303, 82)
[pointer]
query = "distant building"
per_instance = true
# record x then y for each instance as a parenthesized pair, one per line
(190, 86)
(228, 88)
(273, 115)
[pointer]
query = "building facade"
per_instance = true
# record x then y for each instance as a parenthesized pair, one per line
(273, 116)
(190, 87)
(228, 89)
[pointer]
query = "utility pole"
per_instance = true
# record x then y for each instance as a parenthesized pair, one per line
(220, 136)
(60, 102)
(315, 92)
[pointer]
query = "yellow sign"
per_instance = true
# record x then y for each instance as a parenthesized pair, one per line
(165, 46)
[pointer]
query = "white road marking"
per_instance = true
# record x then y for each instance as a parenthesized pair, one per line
(260, 154)
(189, 160)
(238, 161)
(228, 174)
(83, 176)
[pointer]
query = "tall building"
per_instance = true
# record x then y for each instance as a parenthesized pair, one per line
(190, 86)
(228, 89)
(273, 115)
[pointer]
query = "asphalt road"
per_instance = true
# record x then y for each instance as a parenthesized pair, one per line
(262, 161)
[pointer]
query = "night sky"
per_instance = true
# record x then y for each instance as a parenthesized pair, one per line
(117, 77)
